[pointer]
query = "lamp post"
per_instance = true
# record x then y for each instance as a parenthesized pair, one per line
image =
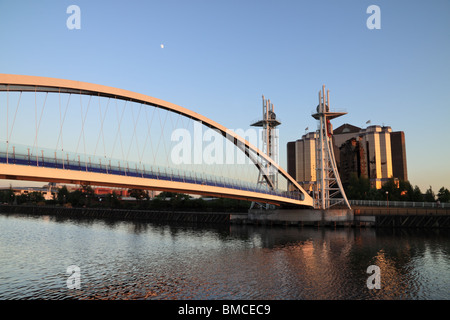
(387, 199)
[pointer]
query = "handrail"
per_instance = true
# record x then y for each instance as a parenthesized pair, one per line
(77, 165)
(399, 204)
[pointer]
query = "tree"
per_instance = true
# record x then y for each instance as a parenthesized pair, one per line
(392, 188)
(32, 197)
(76, 198)
(22, 198)
(358, 188)
(429, 195)
(417, 195)
(138, 194)
(36, 197)
(406, 191)
(88, 194)
(166, 194)
(63, 195)
(113, 200)
(364, 185)
(375, 194)
(7, 196)
(443, 195)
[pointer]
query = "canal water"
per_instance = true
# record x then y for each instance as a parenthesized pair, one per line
(45, 257)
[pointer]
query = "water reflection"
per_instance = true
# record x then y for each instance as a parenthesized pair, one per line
(144, 260)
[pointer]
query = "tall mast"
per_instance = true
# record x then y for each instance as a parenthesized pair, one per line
(268, 176)
(329, 189)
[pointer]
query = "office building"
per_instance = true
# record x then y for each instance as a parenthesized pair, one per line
(302, 160)
(375, 152)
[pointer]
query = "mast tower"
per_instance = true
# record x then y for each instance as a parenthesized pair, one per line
(268, 176)
(328, 188)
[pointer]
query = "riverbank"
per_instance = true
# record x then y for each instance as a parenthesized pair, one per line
(383, 217)
(361, 217)
(376, 217)
(122, 214)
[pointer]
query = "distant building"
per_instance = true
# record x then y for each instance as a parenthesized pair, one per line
(375, 152)
(398, 146)
(352, 159)
(302, 160)
(48, 194)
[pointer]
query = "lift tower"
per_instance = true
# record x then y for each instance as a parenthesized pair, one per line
(328, 188)
(268, 176)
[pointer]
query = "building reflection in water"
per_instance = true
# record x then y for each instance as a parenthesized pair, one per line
(141, 260)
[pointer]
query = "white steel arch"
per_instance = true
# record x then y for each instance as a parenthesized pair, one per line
(23, 83)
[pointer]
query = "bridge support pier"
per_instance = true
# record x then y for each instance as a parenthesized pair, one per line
(302, 217)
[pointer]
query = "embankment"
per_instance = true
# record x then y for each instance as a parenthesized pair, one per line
(122, 214)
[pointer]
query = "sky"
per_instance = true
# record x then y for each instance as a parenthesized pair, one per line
(219, 57)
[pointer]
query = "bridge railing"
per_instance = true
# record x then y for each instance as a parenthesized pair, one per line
(94, 164)
(398, 204)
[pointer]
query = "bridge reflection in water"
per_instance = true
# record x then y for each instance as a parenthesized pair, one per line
(139, 260)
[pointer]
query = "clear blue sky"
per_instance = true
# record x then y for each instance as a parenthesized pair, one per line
(219, 57)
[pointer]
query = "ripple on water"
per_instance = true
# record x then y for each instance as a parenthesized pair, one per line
(129, 260)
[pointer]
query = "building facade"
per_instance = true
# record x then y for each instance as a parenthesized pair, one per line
(374, 152)
(302, 160)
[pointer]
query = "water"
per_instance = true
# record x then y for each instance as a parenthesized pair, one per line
(141, 260)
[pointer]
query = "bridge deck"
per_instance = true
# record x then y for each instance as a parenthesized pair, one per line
(24, 169)
(32, 170)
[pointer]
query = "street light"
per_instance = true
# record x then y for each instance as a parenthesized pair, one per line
(387, 200)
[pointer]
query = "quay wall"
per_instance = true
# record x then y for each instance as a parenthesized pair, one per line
(357, 217)
(295, 217)
(375, 211)
(403, 217)
(121, 214)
